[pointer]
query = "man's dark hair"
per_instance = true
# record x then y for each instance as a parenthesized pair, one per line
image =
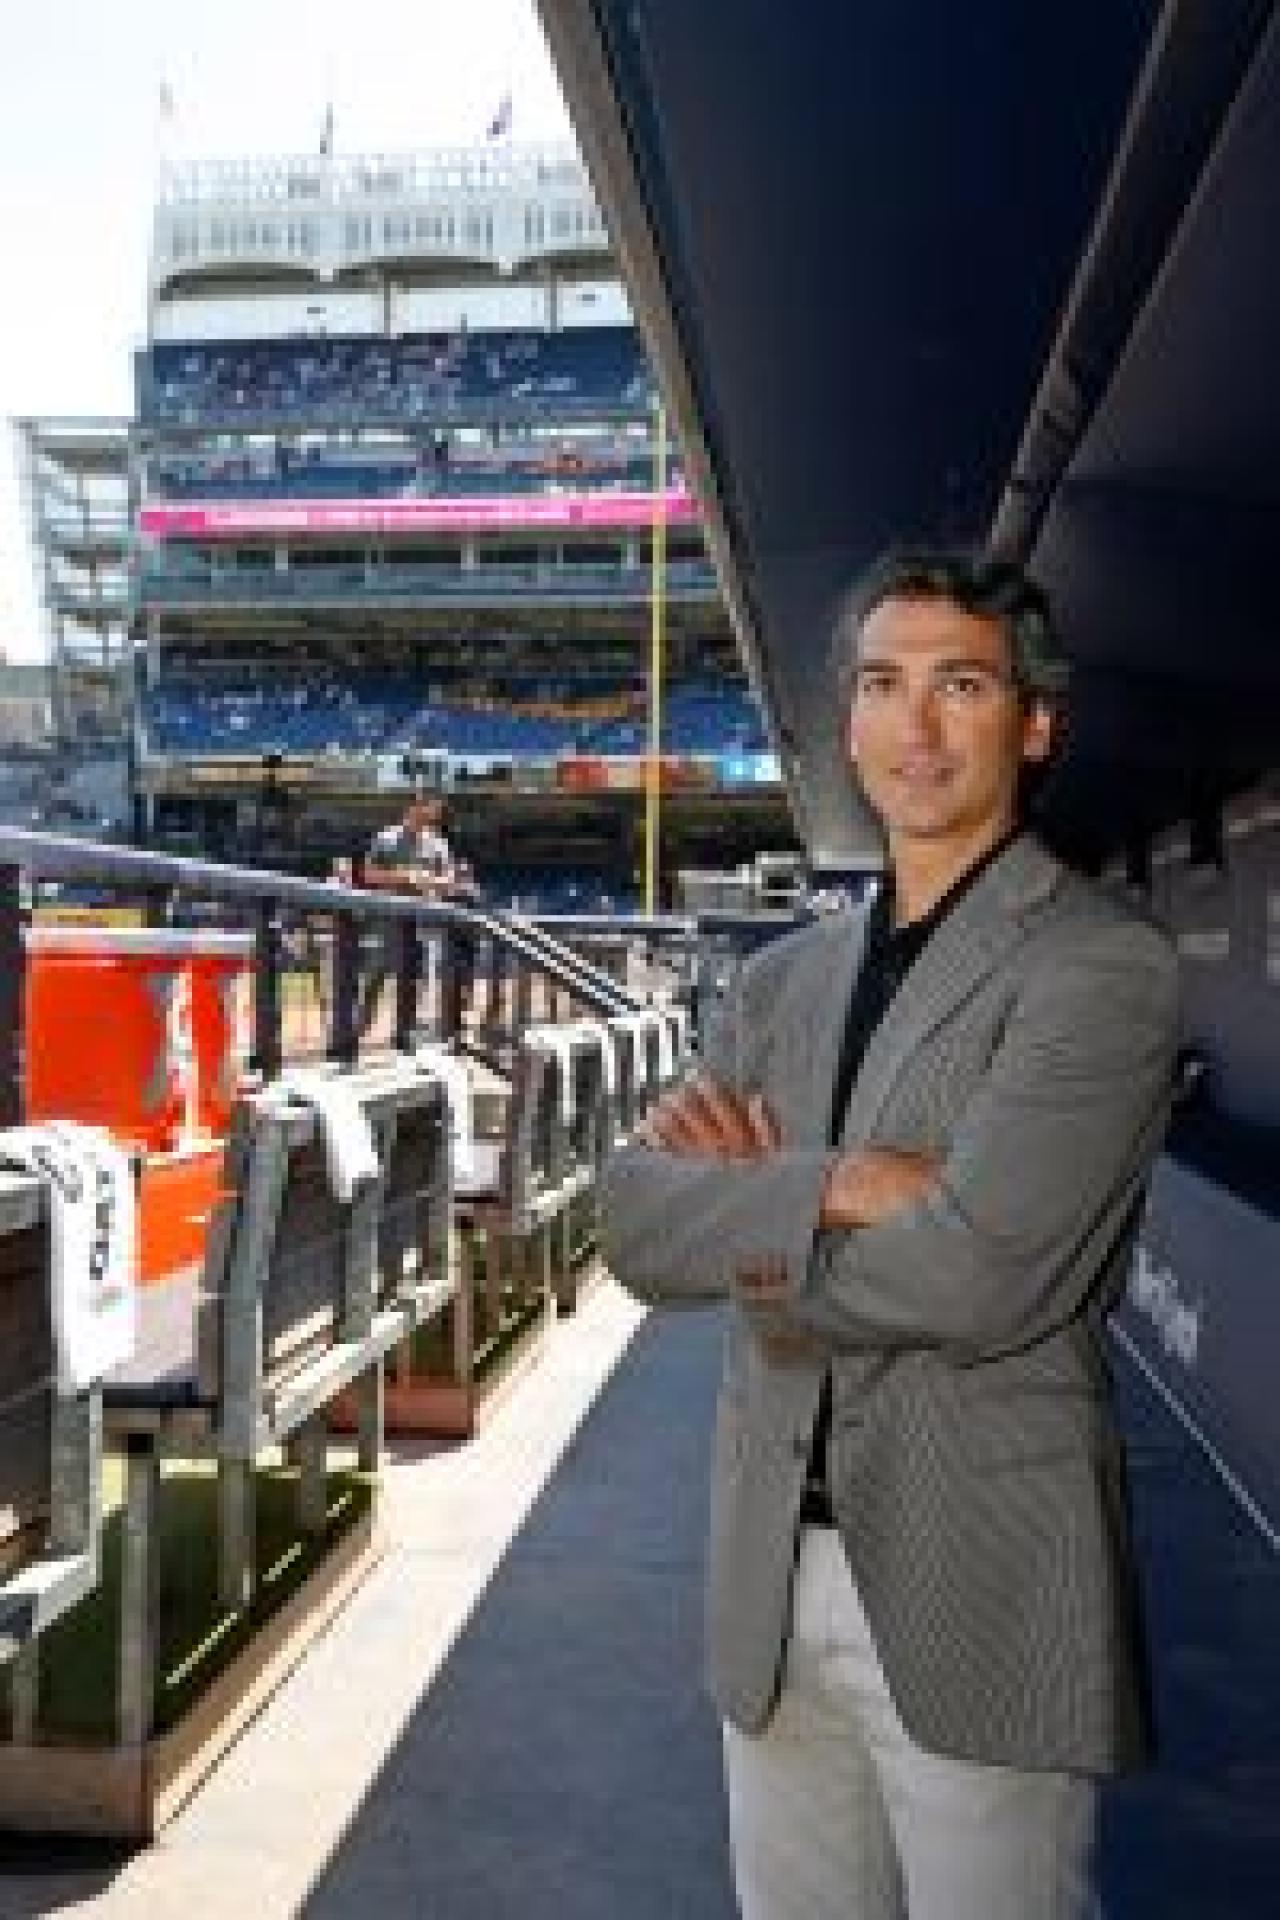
(990, 589)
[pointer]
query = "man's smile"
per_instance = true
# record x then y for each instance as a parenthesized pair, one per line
(923, 773)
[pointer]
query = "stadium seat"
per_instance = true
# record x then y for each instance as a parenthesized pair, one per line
(349, 379)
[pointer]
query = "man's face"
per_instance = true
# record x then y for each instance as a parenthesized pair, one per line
(936, 732)
(421, 815)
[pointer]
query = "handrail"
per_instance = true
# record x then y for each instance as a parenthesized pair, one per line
(676, 926)
(534, 943)
(170, 580)
(66, 856)
(61, 856)
(158, 425)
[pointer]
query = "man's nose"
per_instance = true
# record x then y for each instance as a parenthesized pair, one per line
(920, 713)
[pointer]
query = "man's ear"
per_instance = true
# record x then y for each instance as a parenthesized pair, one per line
(1039, 731)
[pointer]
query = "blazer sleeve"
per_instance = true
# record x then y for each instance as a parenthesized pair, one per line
(1047, 1165)
(676, 1230)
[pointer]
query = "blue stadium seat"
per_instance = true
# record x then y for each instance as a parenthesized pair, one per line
(388, 713)
(415, 377)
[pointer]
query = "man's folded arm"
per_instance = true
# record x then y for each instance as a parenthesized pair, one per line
(677, 1229)
(1049, 1159)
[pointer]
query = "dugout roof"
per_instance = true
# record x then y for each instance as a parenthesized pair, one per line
(993, 270)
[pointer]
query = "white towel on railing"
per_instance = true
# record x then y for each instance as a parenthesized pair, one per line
(676, 1015)
(93, 1297)
(645, 1021)
(437, 1061)
(597, 1031)
(629, 1028)
(350, 1150)
(666, 1047)
(557, 1041)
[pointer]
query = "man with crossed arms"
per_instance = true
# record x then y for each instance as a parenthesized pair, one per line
(914, 1159)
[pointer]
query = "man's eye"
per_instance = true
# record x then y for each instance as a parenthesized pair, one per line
(967, 686)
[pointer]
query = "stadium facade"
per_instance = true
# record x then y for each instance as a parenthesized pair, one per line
(386, 511)
(75, 482)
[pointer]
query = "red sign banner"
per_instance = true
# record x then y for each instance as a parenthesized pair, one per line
(526, 513)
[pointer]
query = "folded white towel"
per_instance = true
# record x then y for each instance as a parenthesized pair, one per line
(644, 1021)
(436, 1061)
(350, 1151)
(677, 1017)
(666, 1048)
(558, 1041)
(629, 1029)
(598, 1032)
(93, 1297)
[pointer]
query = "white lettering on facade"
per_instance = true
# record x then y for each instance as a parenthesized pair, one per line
(1153, 1290)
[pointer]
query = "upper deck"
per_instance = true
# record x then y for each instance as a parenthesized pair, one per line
(507, 208)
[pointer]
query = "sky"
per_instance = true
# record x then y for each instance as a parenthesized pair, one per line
(82, 137)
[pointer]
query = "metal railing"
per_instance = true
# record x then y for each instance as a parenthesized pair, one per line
(184, 583)
(511, 968)
(517, 954)
(171, 421)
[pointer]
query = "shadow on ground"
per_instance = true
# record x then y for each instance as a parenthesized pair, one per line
(567, 1762)
(40, 1874)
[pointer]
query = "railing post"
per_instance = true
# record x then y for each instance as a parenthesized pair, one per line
(344, 1037)
(491, 1012)
(136, 1673)
(408, 976)
(12, 990)
(268, 1053)
(522, 1011)
(452, 948)
(157, 906)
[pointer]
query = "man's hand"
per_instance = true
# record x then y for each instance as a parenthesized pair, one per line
(860, 1190)
(704, 1119)
(392, 879)
(863, 1188)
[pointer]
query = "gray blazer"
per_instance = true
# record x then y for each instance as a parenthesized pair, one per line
(976, 1472)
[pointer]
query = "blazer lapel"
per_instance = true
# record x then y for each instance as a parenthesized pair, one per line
(826, 992)
(969, 945)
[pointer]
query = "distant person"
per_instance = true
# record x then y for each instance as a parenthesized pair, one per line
(273, 827)
(413, 855)
(914, 1160)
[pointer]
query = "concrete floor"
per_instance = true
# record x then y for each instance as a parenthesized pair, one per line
(262, 1829)
(508, 1719)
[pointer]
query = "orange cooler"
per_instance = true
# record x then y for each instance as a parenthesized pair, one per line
(221, 971)
(108, 1030)
(177, 1193)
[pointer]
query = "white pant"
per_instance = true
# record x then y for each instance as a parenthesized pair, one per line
(836, 1814)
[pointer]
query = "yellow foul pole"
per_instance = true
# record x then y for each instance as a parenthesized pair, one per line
(653, 763)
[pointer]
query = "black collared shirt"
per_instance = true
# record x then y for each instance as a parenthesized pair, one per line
(891, 951)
